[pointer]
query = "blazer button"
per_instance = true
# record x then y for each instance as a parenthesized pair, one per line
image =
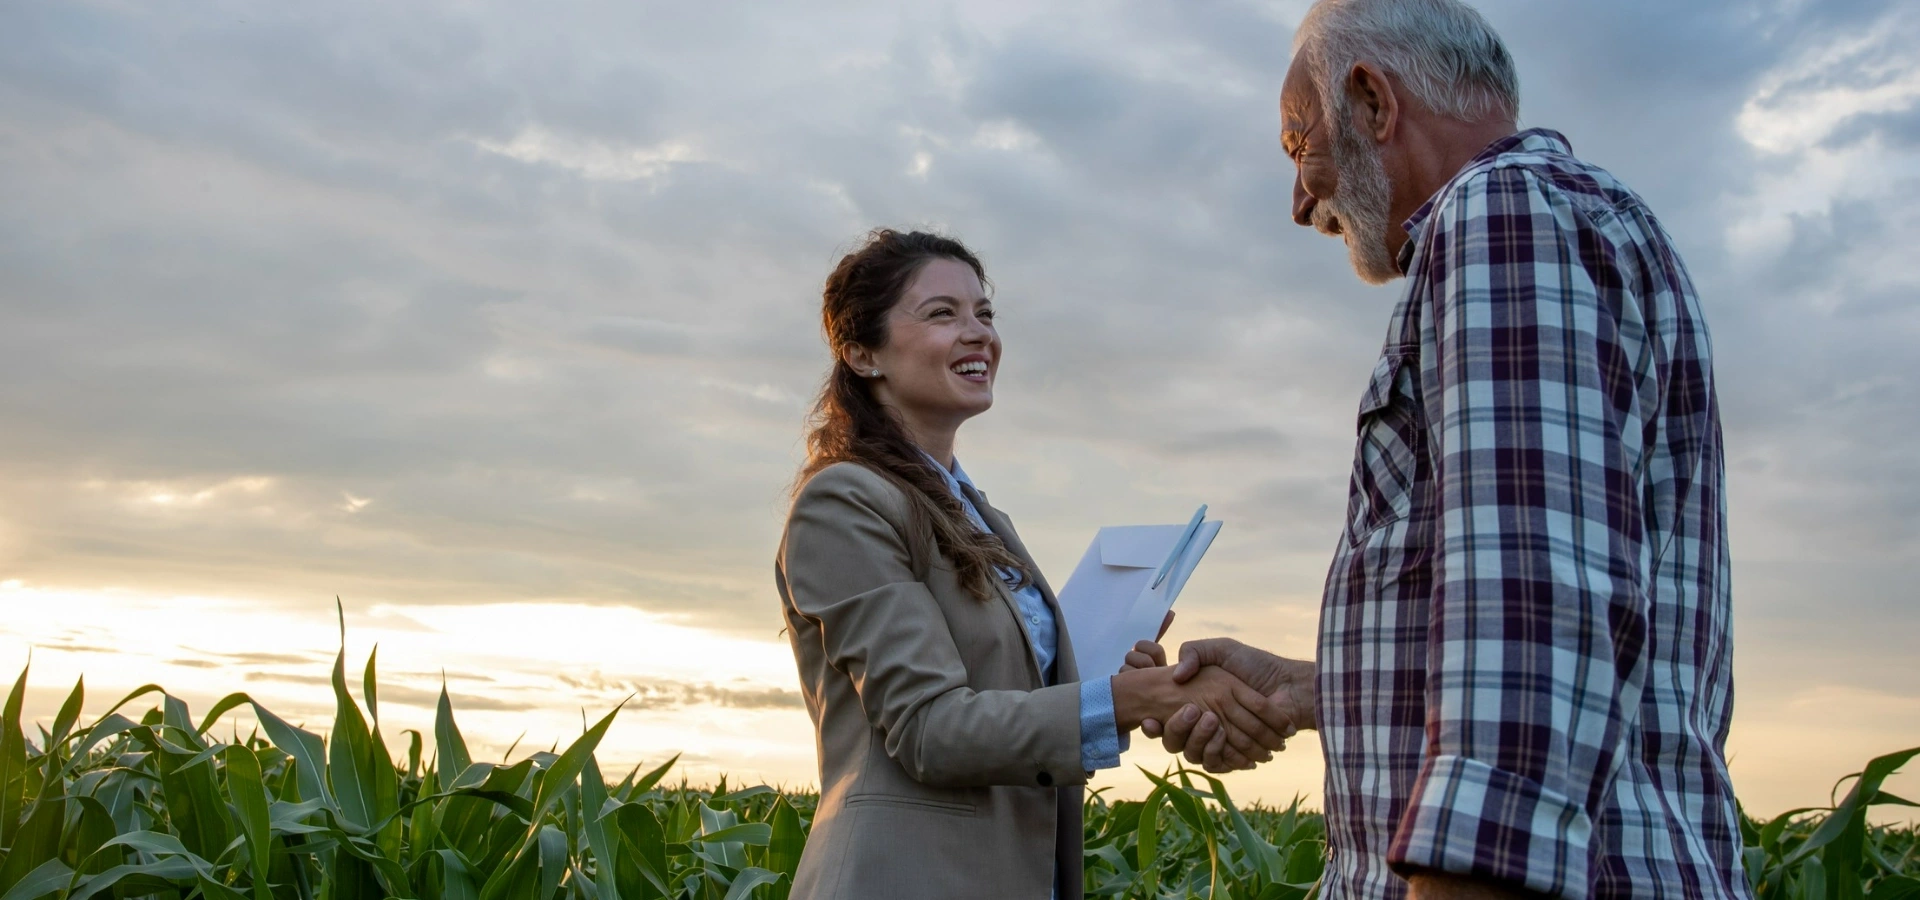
(1045, 779)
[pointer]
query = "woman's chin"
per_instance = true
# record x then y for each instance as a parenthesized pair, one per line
(975, 405)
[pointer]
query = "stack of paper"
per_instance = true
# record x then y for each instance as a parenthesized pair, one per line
(1125, 584)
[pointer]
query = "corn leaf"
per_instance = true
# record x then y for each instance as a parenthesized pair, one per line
(49, 877)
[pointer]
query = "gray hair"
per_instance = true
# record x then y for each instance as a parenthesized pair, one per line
(1445, 54)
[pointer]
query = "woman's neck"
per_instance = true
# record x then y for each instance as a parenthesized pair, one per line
(934, 440)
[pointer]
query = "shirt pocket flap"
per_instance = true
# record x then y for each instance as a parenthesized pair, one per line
(1380, 387)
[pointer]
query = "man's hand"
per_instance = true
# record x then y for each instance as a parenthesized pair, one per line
(1196, 733)
(1191, 718)
(1247, 722)
(1442, 886)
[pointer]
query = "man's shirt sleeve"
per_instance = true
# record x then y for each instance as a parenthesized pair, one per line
(1538, 616)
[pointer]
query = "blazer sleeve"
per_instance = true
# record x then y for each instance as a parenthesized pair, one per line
(848, 568)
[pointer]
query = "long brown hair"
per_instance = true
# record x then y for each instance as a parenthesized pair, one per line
(849, 424)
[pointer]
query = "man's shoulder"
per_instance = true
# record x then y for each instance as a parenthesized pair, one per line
(1542, 164)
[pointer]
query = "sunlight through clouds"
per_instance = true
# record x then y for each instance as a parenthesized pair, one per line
(1801, 104)
(1795, 114)
(513, 669)
(500, 322)
(595, 160)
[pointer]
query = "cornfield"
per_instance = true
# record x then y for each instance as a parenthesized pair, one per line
(159, 807)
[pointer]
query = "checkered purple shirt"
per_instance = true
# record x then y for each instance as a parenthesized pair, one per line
(1525, 647)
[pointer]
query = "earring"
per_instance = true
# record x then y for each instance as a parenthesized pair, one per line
(875, 373)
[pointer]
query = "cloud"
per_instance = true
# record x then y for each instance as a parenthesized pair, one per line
(456, 303)
(257, 659)
(670, 694)
(593, 160)
(1832, 83)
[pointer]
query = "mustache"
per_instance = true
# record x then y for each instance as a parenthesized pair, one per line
(1326, 219)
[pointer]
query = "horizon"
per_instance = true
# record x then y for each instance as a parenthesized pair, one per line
(501, 326)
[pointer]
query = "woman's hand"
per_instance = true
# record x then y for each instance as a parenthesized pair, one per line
(1253, 726)
(1147, 654)
(1256, 727)
(1289, 684)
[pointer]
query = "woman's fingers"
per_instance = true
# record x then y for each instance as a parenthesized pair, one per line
(1145, 655)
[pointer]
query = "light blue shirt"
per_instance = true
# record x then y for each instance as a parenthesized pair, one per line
(1100, 741)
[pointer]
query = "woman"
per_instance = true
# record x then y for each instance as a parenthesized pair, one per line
(954, 732)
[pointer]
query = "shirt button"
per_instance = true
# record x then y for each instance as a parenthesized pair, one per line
(1034, 619)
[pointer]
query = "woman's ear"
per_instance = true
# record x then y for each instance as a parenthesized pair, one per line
(860, 360)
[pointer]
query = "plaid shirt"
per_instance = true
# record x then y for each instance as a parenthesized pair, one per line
(1525, 658)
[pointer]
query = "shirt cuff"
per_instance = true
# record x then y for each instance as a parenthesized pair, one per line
(1100, 743)
(1469, 818)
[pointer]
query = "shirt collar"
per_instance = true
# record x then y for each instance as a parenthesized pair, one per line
(1532, 140)
(955, 477)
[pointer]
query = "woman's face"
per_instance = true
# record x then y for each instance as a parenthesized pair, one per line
(942, 351)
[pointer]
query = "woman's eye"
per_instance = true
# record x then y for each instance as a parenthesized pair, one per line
(943, 311)
(986, 314)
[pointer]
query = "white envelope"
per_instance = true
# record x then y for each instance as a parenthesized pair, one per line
(1110, 602)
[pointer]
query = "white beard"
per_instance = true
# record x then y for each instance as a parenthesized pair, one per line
(1358, 209)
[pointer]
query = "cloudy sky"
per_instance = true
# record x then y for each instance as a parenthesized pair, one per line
(499, 322)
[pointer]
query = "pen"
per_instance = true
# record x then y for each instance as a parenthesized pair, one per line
(1180, 548)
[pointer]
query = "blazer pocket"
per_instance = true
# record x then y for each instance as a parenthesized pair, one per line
(898, 801)
(1388, 454)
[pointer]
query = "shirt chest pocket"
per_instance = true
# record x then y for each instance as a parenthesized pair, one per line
(1389, 459)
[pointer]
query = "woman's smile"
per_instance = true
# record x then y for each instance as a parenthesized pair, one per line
(974, 367)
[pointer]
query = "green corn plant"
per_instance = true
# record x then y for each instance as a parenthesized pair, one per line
(1830, 852)
(163, 807)
(155, 804)
(1185, 841)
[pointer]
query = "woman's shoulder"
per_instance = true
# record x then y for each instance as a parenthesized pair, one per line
(854, 482)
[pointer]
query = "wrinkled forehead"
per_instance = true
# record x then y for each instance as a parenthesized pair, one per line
(1299, 98)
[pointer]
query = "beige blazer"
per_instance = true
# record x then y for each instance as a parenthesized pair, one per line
(946, 769)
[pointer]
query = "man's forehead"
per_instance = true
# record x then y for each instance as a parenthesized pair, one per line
(1298, 101)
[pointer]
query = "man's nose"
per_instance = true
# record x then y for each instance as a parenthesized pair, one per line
(1303, 202)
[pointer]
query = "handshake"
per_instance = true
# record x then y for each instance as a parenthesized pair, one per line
(1226, 706)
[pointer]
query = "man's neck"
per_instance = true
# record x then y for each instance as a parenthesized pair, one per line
(1458, 143)
(1439, 148)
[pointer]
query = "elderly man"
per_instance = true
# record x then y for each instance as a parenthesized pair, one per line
(1524, 676)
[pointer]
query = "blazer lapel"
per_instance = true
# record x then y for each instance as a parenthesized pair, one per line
(1066, 669)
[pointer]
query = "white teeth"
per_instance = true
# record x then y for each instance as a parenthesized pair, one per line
(971, 368)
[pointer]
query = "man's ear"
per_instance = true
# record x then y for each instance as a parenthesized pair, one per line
(1375, 104)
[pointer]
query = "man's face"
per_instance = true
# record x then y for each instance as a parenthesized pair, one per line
(1340, 185)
